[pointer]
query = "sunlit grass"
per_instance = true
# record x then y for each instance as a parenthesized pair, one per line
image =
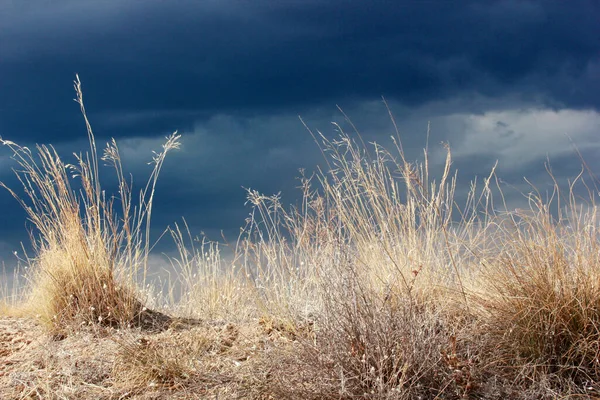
(378, 284)
(87, 258)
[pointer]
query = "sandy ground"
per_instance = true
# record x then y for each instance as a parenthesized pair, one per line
(35, 365)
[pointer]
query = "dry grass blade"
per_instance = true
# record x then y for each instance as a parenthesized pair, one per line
(86, 262)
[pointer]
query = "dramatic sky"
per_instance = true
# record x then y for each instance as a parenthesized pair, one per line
(498, 80)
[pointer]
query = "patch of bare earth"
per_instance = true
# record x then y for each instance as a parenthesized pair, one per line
(35, 365)
(212, 360)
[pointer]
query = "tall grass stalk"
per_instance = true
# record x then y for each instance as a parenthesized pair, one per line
(87, 256)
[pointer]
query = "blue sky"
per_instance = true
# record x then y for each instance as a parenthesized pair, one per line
(498, 80)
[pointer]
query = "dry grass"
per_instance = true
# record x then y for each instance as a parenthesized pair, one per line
(374, 268)
(87, 258)
(207, 286)
(11, 296)
(377, 286)
(542, 299)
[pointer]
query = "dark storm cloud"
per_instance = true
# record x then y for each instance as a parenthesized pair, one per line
(165, 65)
(232, 76)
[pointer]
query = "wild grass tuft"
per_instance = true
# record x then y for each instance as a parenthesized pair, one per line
(374, 260)
(542, 299)
(87, 256)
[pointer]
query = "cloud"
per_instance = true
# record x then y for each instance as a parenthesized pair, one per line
(172, 63)
(496, 79)
(520, 137)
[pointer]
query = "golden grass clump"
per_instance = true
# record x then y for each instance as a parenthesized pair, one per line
(542, 299)
(87, 258)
